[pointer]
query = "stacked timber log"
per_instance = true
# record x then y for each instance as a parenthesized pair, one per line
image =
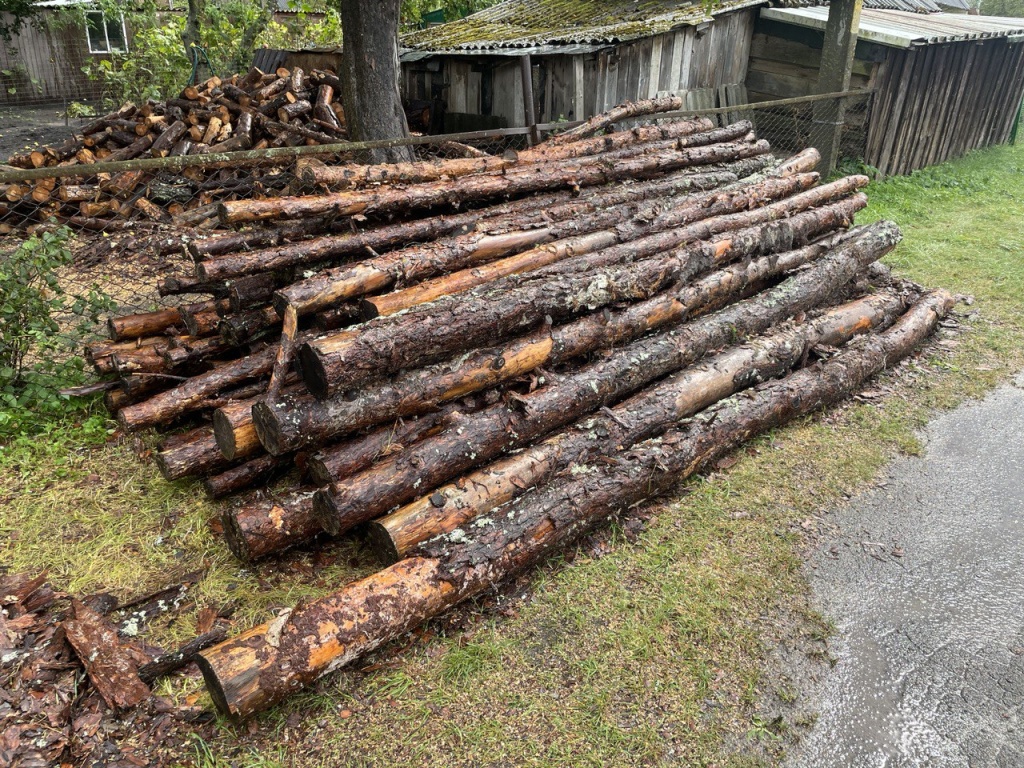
(495, 357)
(255, 110)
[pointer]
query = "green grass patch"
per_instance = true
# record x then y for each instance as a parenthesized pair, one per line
(632, 654)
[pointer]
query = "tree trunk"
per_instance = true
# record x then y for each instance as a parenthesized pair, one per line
(477, 438)
(271, 661)
(640, 417)
(303, 422)
(370, 76)
(337, 363)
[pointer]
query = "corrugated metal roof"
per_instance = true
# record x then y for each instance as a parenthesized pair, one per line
(917, 6)
(899, 29)
(534, 23)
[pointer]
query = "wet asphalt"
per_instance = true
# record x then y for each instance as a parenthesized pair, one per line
(923, 577)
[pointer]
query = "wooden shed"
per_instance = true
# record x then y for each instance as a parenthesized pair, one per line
(585, 56)
(943, 84)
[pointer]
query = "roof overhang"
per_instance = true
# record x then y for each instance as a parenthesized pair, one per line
(900, 29)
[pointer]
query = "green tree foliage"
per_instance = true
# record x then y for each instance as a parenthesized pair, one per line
(413, 11)
(1002, 8)
(14, 13)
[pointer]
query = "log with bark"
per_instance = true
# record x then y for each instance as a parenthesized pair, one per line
(337, 363)
(303, 421)
(637, 418)
(477, 438)
(269, 662)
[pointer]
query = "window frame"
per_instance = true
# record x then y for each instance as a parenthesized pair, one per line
(105, 26)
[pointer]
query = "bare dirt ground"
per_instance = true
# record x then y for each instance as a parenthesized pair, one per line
(24, 127)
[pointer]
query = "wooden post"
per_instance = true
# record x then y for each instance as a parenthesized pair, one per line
(579, 111)
(529, 105)
(834, 75)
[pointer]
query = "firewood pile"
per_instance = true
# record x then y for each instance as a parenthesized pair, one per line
(498, 355)
(255, 111)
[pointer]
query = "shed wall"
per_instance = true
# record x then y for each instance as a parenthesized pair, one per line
(46, 65)
(578, 86)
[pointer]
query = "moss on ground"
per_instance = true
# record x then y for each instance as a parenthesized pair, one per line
(647, 645)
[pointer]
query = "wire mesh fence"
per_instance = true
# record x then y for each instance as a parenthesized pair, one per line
(135, 235)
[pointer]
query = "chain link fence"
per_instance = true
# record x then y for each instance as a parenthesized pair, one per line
(125, 229)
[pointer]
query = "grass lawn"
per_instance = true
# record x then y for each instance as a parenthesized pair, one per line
(649, 646)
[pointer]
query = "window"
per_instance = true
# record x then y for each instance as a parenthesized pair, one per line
(105, 35)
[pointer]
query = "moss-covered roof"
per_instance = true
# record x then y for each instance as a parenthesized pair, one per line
(530, 23)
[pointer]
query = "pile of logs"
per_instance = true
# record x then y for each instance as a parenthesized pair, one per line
(497, 355)
(255, 111)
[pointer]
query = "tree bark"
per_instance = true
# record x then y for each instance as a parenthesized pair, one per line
(336, 363)
(193, 453)
(271, 661)
(257, 471)
(643, 416)
(601, 122)
(419, 262)
(256, 529)
(196, 393)
(303, 422)
(626, 223)
(584, 172)
(370, 74)
(478, 438)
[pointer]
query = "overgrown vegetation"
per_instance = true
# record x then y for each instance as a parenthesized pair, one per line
(42, 327)
(644, 647)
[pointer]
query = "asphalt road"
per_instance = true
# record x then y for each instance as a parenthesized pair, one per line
(923, 577)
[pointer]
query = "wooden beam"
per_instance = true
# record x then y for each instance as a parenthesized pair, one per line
(834, 75)
(530, 107)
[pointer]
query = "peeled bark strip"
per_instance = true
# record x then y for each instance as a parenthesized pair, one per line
(640, 417)
(451, 324)
(196, 392)
(111, 666)
(303, 422)
(583, 172)
(271, 661)
(478, 438)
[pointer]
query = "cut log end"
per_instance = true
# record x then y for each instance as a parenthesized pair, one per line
(313, 372)
(381, 543)
(326, 512)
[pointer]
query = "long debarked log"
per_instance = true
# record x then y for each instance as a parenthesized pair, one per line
(478, 438)
(306, 422)
(583, 172)
(645, 415)
(429, 332)
(271, 661)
